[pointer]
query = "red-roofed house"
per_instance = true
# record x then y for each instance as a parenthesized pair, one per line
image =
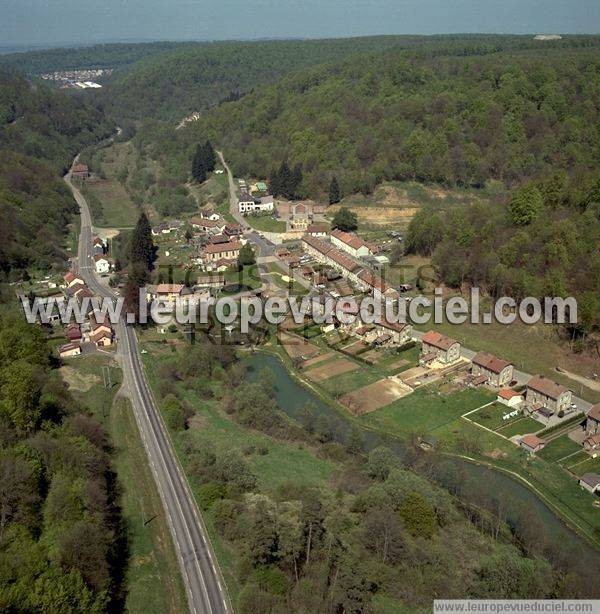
(351, 243)
(509, 397)
(73, 332)
(72, 279)
(218, 251)
(498, 372)
(543, 391)
(439, 347)
(532, 443)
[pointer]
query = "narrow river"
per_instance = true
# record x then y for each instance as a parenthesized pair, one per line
(557, 537)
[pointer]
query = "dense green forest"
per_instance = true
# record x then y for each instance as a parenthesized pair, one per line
(175, 84)
(40, 132)
(61, 539)
(114, 55)
(405, 114)
(544, 242)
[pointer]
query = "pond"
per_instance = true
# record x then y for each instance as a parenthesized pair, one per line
(477, 480)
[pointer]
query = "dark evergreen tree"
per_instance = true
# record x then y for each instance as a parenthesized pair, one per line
(209, 157)
(274, 183)
(141, 250)
(334, 191)
(199, 165)
(285, 180)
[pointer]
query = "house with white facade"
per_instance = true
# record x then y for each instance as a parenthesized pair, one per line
(351, 243)
(101, 264)
(248, 204)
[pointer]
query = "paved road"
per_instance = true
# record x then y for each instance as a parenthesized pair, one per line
(204, 584)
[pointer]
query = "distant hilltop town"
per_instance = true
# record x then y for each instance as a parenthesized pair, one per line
(77, 79)
(547, 37)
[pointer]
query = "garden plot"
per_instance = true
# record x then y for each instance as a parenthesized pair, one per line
(376, 395)
(298, 348)
(330, 369)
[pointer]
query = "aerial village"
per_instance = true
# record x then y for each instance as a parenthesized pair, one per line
(365, 367)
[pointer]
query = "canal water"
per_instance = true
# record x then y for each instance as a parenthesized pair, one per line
(292, 396)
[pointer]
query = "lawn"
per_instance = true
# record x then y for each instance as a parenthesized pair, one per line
(266, 223)
(425, 410)
(585, 464)
(347, 382)
(491, 416)
(559, 448)
(521, 427)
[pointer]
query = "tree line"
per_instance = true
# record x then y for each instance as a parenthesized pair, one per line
(62, 543)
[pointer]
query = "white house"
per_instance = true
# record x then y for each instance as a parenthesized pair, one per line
(351, 243)
(102, 264)
(248, 203)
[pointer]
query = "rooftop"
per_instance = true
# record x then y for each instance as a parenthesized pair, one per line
(438, 340)
(546, 386)
(490, 362)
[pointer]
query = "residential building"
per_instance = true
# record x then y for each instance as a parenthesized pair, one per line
(532, 443)
(317, 230)
(211, 280)
(101, 338)
(80, 171)
(208, 225)
(72, 278)
(592, 421)
(248, 204)
(498, 372)
(542, 391)
(351, 243)
(102, 264)
(210, 214)
(73, 332)
(591, 482)
(69, 349)
(509, 397)
(169, 292)
(438, 347)
(382, 332)
(229, 251)
(592, 444)
(233, 231)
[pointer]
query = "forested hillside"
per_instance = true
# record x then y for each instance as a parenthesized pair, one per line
(452, 118)
(174, 84)
(40, 132)
(544, 242)
(60, 528)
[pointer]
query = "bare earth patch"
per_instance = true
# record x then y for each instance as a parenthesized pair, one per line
(374, 396)
(297, 347)
(77, 380)
(337, 367)
(317, 359)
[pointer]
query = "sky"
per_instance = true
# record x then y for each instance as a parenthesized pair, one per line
(26, 22)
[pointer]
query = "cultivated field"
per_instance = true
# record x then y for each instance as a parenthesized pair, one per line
(374, 396)
(330, 369)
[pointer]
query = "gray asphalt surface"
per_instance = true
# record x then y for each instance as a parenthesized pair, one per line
(204, 584)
